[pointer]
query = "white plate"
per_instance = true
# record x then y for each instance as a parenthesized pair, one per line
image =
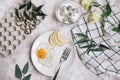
(50, 71)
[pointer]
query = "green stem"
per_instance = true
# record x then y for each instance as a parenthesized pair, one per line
(102, 27)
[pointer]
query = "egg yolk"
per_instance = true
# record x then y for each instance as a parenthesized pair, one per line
(42, 53)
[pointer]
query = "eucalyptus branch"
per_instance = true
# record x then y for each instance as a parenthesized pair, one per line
(30, 15)
(21, 74)
(96, 4)
(91, 45)
(116, 28)
(105, 15)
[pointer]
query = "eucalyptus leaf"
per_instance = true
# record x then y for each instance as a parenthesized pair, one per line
(25, 69)
(22, 6)
(38, 8)
(108, 8)
(17, 14)
(26, 15)
(43, 17)
(119, 25)
(103, 46)
(97, 49)
(41, 14)
(18, 73)
(82, 41)
(33, 15)
(116, 29)
(96, 4)
(29, 5)
(88, 46)
(27, 77)
(107, 12)
(80, 34)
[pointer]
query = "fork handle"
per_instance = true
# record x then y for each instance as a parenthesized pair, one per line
(54, 78)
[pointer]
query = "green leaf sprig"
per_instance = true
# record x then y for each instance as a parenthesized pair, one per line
(91, 45)
(28, 16)
(96, 4)
(117, 29)
(30, 8)
(107, 12)
(104, 16)
(20, 73)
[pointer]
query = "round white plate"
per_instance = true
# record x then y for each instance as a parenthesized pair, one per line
(50, 71)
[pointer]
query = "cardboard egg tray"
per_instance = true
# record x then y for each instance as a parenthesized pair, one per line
(10, 35)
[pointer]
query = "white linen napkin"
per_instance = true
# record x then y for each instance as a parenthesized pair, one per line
(106, 62)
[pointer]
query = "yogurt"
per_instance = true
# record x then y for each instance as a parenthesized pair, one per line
(68, 12)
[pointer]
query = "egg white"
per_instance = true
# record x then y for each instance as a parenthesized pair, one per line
(51, 56)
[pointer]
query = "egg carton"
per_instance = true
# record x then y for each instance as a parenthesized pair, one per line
(11, 35)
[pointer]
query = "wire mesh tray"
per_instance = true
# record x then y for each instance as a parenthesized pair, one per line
(103, 62)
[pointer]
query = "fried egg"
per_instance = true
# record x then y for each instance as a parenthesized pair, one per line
(46, 55)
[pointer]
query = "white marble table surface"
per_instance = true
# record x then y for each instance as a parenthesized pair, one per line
(22, 54)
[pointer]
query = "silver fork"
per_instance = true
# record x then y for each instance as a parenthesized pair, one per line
(62, 59)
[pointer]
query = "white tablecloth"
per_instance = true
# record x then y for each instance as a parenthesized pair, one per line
(22, 54)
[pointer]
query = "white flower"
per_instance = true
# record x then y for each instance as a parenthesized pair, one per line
(94, 16)
(86, 4)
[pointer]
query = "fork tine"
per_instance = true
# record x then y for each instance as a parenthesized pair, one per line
(65, 50)
(65, 53)
(68, 52)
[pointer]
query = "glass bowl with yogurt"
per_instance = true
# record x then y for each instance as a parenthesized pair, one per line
(68, 11)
